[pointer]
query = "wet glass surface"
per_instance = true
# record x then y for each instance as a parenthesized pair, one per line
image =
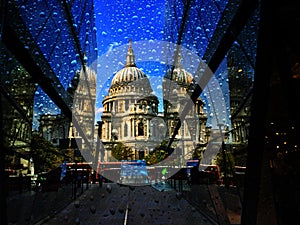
(148, 112)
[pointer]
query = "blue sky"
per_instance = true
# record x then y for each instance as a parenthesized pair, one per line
(118, 21)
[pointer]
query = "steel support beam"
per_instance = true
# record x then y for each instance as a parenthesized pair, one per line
(37, 67)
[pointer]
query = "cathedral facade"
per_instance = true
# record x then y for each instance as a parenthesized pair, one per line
(131, 113)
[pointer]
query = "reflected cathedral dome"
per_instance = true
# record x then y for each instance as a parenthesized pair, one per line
(178, 74)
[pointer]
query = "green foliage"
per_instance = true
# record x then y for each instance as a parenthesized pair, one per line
(45, 155)
(122, 152)
(158, 154)
(197, 154)
(230, 162)
(155, 156)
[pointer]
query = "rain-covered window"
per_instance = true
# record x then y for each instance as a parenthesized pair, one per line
(87, 88)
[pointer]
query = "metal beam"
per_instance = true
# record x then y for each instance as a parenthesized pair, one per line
(48, 82)
(37, 66)
(219, 50)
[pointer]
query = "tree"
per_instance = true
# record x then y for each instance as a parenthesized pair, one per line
(198, 153)
(122, 152)
(226, 164)
(45, 155)
(158, 154)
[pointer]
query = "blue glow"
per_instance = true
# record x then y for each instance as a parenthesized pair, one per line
(116, 23)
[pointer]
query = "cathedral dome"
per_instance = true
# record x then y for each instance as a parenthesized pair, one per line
(179, 74)
(130, 75)
(127, 75)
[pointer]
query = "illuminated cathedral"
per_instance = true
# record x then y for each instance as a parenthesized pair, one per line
(131, 113)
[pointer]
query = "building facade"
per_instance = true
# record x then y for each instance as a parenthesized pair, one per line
(131, 113)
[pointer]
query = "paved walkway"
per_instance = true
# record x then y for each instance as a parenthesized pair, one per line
(125, 205)
(28, 207)
(115, 204)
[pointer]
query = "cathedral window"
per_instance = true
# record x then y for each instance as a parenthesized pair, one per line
(125, 130)
(140, 129)
(121, 106)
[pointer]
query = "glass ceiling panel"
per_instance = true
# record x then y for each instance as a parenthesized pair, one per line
(199, 26)
(87, 36)
(52, 31)
(51, 24)
(116, 23)
(249, 38)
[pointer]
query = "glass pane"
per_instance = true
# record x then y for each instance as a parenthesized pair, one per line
(146, 112)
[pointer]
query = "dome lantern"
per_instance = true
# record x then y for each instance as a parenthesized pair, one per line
(130, 75)
(130, 58)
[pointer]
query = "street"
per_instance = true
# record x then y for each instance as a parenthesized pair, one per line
(114, 204)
